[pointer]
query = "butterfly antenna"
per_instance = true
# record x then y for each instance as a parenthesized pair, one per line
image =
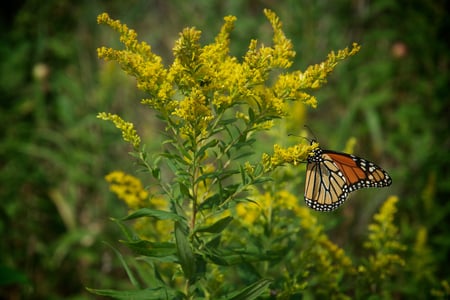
(311, 132)
(302, 137)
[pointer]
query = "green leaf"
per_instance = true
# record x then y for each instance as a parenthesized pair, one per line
(152, 249)
(185, 254)
(243, 175)
(125, 230)
(211, 175)
(172, 158)
(221, 174)
(225, 122)
(184, 190)
(156, 293)
(210, 202)
(262, 180)
(251, 115)
(244, 154)
(227, 257)
(125, 266)
(154, 213)
(156, 173)
(210, 144)
(244, 142)
(214, 242)
(252, 291)
(230, 259)
(216, 227)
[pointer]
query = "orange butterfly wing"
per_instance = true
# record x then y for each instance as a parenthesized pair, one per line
(331, 176)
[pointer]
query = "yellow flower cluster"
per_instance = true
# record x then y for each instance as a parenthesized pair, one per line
(383, 241)
(267, 208)
(291, 155)
(263, 205)
(129, 134)
(128, 188)
(203, 81)
(290, 86)
(194, 111)
(138, 60)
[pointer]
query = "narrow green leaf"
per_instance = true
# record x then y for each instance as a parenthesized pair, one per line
(210, 144)
(133, 280)
(125, 230)
(262, 180)
(225, 122)
(243, 175)
(214, 242)
(216, 227)
(153, 213)
(211, 175)
(210, 202)
(184, 190)
(156, 173)
(244, 142)
(220, 174)
(251, 115)
(152, 249)
(171, 158)
(244, 154)
(252, 291)
(230, 259)
(185, 254)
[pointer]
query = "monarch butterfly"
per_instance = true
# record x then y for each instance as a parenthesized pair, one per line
(331, 176)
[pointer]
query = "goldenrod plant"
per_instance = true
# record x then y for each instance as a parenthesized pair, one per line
(386, 258)
(211, 220)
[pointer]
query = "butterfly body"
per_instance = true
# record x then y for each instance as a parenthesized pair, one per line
(331, 176)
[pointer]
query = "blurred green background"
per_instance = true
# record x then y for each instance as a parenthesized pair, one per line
(393, 97)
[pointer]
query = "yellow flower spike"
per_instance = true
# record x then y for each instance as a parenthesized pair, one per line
(187, 51)
(291, 86)
(218, 51)
(195, 113)
(129, 134)
(292, 155)
(249, 168)
(383, 242)
(258, 63)
(117, 25)
(187, 48)
(282, 53)
(139, 61)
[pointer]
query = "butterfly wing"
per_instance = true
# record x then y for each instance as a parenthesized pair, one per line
(359, 173)
(331, 176)
(326, 187)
